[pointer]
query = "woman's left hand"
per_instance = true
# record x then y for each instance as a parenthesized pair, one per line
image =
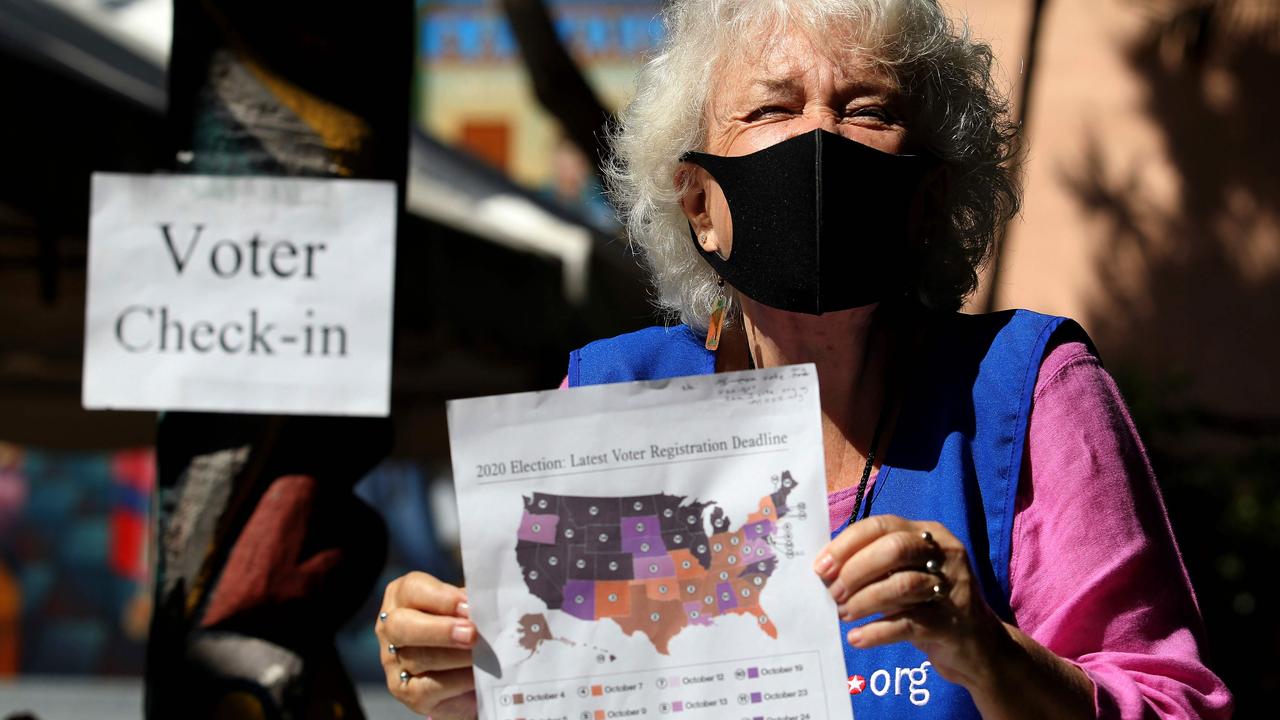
(917, 575)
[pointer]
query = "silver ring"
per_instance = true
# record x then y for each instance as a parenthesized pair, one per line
(391, 648)
(927, 536)
(404, 677)
(938, 593)
(382, 616)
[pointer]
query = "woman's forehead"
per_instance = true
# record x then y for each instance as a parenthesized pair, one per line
(779, 61)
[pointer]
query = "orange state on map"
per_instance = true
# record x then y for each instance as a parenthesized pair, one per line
(698, 590)
(658, 620)
(724, 549)
(686, 564)
(613, 598)
(747, 591)
(766, 511)
(661, 589)
(761, 618)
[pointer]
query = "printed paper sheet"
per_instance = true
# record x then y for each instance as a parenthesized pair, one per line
(645, 550)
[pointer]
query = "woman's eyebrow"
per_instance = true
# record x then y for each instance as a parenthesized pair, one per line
(775, 85)
(869, 86)
(862, 87)
(768, 89)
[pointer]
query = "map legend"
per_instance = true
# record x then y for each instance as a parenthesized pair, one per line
(789, 686)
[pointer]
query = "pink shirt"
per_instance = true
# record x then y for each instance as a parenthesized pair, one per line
(1094, 573)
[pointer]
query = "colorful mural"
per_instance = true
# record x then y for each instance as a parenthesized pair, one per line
(74, 573)
(73, 569)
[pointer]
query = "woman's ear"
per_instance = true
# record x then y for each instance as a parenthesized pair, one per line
(693, 201)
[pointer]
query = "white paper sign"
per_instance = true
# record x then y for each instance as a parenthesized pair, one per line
(646, 549)
(240, 294)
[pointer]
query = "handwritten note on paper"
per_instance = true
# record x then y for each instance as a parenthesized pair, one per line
(768, 387)
(643, 549)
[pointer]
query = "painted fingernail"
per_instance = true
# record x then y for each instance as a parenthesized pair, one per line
(854, 637)
(824, 564)
(463, 610)
(838, 591)
(463, 633)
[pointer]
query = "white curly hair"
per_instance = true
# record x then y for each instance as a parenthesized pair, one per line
(957, 111)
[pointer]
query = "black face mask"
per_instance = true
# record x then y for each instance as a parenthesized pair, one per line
(820, 222)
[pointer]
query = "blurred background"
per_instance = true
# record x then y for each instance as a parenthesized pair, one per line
(1152, 215)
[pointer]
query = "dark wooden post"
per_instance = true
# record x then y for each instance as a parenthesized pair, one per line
(262, 551)
(558, 83)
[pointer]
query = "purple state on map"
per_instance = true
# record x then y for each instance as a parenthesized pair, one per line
(538, 528)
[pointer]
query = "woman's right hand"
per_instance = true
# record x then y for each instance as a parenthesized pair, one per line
(428, 623)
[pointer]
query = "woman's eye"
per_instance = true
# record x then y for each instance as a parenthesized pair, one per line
(872, 111)
(766, 111)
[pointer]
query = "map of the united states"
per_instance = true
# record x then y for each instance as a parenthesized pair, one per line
(647, 562)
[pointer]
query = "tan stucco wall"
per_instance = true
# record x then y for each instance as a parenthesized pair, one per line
(1151, 205)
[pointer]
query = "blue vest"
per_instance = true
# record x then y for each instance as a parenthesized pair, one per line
(955, 457)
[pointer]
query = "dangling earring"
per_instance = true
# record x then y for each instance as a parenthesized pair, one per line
(717, 318)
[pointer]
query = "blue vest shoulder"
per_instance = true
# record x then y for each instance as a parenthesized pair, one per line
(653, 353)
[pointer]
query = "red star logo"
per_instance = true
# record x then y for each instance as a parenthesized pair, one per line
(856, 684)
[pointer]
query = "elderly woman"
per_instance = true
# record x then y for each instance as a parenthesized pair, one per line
(817, 181)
